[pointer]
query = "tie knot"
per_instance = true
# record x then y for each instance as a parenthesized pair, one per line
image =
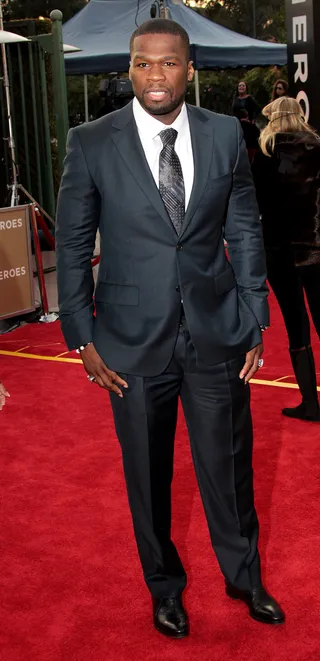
(168, 137)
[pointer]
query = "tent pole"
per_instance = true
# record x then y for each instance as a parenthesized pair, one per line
(86, 100)
(59, 86)
(197, 87)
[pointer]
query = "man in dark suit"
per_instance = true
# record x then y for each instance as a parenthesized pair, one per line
(165, 183)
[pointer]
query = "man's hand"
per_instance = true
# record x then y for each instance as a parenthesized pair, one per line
(3, 394)
(104, 377)
(251, 365)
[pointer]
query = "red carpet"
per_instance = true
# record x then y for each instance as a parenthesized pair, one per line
(72, 587)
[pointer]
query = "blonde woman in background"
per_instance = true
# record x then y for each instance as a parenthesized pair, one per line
(287, 179)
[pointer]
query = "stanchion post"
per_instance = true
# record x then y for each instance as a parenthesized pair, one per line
(38, 257)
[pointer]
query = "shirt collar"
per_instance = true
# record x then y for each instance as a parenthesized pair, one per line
(151, 127)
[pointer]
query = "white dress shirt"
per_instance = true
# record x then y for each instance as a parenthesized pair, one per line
(149, 129)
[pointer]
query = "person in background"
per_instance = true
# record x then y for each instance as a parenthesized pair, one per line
(244, 100)
(280, 88)
(3, 394)
(251, 134)
(287, 178)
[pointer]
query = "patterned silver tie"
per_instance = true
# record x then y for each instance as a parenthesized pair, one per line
(171, 184)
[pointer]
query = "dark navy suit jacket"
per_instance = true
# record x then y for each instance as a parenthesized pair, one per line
(146, 269)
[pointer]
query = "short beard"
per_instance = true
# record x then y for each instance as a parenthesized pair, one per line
(166, 109)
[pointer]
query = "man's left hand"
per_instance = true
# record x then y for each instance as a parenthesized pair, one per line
(252, 363)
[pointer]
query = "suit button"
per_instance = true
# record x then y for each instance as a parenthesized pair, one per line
(179, 246)
(178, 288)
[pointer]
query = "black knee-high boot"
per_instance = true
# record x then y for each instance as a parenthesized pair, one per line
(305, 372)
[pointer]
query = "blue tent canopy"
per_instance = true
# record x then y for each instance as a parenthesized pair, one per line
(103, 28)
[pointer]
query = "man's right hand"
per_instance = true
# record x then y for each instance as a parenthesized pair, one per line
(104, 377)
(3, 394)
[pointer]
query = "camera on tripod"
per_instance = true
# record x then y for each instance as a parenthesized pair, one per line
(116, 93)
(116, 88)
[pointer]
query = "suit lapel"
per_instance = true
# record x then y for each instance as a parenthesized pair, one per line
(202, 146)
(129, 145)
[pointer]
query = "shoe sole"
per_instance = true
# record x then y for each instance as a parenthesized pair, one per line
(260, 619)
(300, 417)
(252, 615)
(169, 634)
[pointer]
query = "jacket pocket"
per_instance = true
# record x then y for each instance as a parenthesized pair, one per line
(224, 281)
(108, 292)
(216, 182)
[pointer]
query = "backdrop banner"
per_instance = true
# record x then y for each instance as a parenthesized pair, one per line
(303, 31)
(16, 273)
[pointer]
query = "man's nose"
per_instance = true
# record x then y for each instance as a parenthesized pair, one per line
(156, 73)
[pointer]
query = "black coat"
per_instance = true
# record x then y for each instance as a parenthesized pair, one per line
(251, 134)
(247, 103)
(288, 193)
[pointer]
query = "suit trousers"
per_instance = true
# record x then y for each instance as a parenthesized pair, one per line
(216, 405)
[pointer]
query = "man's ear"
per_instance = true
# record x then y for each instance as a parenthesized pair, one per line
(129, 70)
(190, 71)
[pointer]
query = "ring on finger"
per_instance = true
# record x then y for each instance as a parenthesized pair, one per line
(260, 362)
(91, 378)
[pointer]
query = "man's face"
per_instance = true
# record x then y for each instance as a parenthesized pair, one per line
(159, 72)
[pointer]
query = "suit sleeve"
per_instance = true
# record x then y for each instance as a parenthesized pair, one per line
(76, 227)
(243, 233)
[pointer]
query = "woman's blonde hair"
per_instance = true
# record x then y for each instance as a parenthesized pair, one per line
(285, 115)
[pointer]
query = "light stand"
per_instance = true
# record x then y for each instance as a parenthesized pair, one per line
(8, 37)
(164, 11)
(52, 44)
(159, 5)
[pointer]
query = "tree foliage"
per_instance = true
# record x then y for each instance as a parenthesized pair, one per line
(238, 15)
(218, 87)
(20, 9)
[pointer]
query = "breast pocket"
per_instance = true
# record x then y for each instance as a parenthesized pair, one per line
(222, 181)
(114, 294)
(216, 196)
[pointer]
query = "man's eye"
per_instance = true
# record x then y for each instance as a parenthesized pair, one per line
(170, 64)
(142, 65)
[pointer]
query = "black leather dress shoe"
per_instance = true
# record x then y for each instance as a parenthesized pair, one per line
(261, 605)
(170, 618)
